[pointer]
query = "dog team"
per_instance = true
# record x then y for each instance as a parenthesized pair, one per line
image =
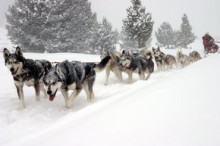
(76, 75)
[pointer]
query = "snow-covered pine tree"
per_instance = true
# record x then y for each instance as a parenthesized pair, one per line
(138, 25)
(51, 25)
(70, 25)
(186, 36)
(165, 35)
(177, 38)
(25, 20)
(108, 38)
(81, 25)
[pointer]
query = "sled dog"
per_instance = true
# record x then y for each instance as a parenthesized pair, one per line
(112, 65)
(163, 61)
(75, 76)
(28, 71)
(140, 64)
(170, 61)
(182, 59)
(194, 56)
(159, 58)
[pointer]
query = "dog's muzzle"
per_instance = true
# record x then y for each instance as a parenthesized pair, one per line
(13, 71)
(51, 96)
(49, 92)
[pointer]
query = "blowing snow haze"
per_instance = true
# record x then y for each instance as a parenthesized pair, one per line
(203, 15)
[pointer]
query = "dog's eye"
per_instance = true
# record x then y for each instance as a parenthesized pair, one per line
(16, 62)
(54, 83)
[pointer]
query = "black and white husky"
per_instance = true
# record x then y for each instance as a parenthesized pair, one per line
(28, 71)
(141, 64)
(75, 76)
(163, 61)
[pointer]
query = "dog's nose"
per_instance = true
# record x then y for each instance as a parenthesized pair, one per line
(12, 69)
(49, 92)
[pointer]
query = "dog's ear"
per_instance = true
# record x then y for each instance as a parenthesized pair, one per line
(123, 52)
(18, 51)
(108, 53)
(58, 70)
(128, 53)
(6, 53)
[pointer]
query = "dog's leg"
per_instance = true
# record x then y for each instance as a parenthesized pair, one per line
(65, 96)
(43, 90)
(19, 86)
(90, 88)
(129, 76)
(73, 97)
(37, 91)
(148, 76)
(107, 75)
(89, 94)
(141, 75)
(118, 74)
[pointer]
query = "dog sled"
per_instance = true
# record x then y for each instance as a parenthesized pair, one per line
(211, 48)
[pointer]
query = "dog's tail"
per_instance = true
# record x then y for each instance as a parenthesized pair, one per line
(148, 54)
(101, 65)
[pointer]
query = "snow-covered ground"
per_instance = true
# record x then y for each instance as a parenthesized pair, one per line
(176, 107)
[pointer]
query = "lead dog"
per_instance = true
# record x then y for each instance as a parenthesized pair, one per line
(28, 71)
(75, 76)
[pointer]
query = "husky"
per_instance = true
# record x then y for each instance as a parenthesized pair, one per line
(163, 61)
(112, 65)
(182, 59)
(28, 71)
(140, 64)
(159, 58)
(170, 61)
(194, 56)
(75, 76)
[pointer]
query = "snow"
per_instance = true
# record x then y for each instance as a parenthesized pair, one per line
(176, 107)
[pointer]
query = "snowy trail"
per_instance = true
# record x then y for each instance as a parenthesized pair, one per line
(171, 108)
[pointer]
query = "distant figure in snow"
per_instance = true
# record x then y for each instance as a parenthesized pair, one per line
(209, 45)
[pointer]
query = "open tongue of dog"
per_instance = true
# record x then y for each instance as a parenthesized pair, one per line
(13, 73)
(52, 97)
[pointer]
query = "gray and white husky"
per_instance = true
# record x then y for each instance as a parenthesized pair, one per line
(194, 56)
(141, 64)
(28, 71)
(112, 65)
(75, 76)
(159, 58)
(163, 61)
(182, 59)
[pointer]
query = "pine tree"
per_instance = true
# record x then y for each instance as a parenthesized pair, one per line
(138, 25)
(51, 25)
(186, 35)
(165, 35)
(106, 37)
(25, 18)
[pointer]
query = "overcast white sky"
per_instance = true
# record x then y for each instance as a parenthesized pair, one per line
(204, 15)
